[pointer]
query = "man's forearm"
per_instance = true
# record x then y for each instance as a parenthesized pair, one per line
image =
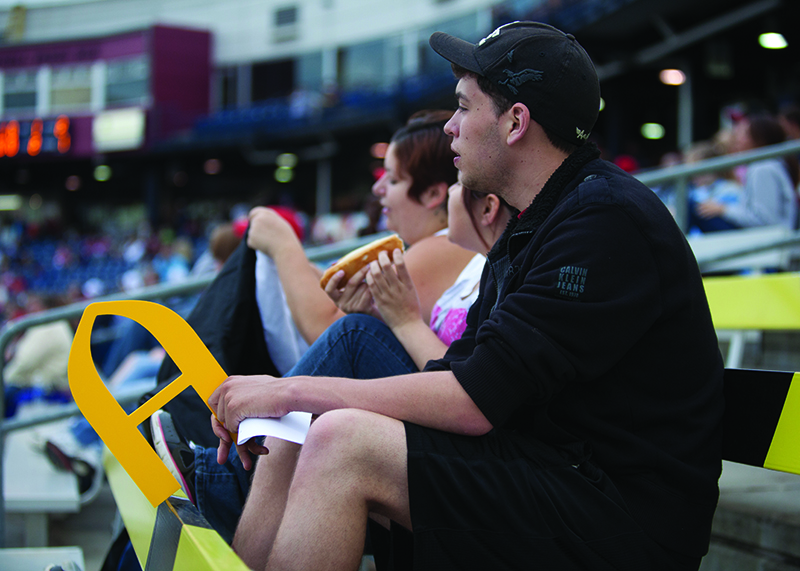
(434, 399)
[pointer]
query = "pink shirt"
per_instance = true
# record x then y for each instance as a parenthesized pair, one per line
(449, 315)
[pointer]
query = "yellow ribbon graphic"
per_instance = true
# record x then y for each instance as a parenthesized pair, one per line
(118, 429)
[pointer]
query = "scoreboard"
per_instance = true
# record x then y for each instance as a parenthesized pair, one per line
(35, 136)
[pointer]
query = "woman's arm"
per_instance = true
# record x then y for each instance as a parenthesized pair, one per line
(434, 263)
(765, 197)
(312, 310)
(396, 299)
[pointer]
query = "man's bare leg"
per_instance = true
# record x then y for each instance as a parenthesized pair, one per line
(266, 501)
(353, 463)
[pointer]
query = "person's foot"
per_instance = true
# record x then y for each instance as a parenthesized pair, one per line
(82, 469)
(174, 450)
(68, 453)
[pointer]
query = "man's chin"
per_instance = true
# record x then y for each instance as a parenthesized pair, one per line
(477, 183)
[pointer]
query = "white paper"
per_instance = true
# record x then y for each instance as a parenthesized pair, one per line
(292, 427)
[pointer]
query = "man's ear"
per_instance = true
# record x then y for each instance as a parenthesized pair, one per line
(519, 118)
(434, 196)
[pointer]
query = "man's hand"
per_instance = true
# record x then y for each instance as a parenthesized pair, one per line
(238, 398)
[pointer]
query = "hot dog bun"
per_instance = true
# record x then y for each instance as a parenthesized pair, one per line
(360, 257)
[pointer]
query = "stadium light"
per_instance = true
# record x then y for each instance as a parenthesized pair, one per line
(102, 173)
(653, 131)
(212, 166)
(73, 183)
(672, 77)
(286, 160)
(284, 174)
(772, 41)
(378, 150)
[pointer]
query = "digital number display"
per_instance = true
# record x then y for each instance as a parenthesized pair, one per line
(35, 137)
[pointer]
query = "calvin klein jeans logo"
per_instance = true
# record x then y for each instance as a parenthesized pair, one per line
(571, 281)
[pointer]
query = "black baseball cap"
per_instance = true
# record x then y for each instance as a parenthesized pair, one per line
(537, 65)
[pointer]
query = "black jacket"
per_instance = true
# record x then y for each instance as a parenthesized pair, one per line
(592, 333)
(228, 321)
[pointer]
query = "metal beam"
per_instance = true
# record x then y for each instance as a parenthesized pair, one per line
(683, 39)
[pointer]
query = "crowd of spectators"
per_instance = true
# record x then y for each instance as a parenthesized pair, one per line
(760, 193)
(74, 266)
(44, 266)
(69, 265)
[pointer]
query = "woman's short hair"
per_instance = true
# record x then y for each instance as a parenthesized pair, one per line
(423, 151)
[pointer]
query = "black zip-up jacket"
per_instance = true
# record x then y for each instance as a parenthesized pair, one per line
(592, 333)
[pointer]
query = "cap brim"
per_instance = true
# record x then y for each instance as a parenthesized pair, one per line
(455, 50)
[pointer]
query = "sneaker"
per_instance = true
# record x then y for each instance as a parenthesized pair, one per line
(67, 453)
(174, 450)
(146, 431)
(84, 471)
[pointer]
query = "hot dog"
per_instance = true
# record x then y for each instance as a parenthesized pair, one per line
(360, 257)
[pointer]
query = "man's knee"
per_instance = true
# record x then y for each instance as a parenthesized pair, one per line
(338, 429)
(364, 453)
(352, 438)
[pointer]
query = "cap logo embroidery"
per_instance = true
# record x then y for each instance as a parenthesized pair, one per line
(581, 134)
(495, 33)
(515, 79)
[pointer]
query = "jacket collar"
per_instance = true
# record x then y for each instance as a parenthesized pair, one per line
(545, 201)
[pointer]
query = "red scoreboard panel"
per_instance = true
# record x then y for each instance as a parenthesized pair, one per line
(35, 136)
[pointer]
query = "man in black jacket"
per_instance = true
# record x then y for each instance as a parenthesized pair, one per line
(576, 424)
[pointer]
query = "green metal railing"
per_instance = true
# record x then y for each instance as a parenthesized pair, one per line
(681, 175)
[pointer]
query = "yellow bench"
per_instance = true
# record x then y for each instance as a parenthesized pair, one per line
(751, 304)
(171, 536)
